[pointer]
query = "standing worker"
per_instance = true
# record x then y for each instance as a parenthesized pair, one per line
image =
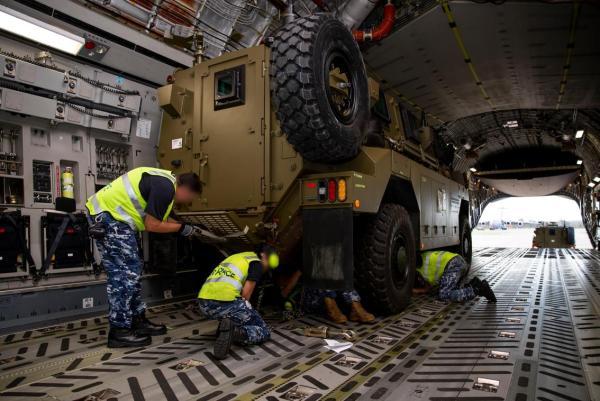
(139, 200)
(445, 270)
(225, 297)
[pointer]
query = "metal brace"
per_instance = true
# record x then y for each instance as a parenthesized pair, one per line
(498, 354)
(348, 361)
(488, 385)
(328, 332)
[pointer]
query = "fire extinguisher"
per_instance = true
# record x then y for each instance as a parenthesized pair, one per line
(68, 186)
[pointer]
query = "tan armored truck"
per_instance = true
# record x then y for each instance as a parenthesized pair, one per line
(293, 140)
(551, 235)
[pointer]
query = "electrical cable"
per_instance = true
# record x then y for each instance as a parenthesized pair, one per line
(103, 86)
(84, 110)
(198, 20)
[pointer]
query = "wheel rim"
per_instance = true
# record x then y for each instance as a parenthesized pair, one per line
(339, 84)
(466, 245)
(399, 261)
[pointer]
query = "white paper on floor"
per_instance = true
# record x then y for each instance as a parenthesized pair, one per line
(337, 346)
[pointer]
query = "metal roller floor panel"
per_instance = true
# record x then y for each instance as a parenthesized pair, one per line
(541, 341)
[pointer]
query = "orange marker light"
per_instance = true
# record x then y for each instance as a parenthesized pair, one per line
(357, 203)
(341, 189)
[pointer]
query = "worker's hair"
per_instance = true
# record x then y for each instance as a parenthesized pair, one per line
(265, 248)
(191, 181)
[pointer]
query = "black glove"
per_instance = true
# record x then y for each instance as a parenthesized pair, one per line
(186, 230)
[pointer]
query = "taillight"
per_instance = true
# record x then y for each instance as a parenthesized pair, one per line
(341, 189)
(331, 190)
(2, 230)
(322, 190)
(70, 230)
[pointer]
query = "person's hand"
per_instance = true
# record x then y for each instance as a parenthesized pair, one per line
(187, 230)
(420, 291)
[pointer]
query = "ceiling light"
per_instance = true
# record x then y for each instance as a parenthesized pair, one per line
(511, 124)
(596, 179)
(473, 169)
(30, 28)
(579, 134)
(579, 162)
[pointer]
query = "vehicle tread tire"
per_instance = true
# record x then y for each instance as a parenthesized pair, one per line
(465, 232)
(372, 274)
(298, 90)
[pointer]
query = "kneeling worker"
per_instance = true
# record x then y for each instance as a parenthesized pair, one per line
(445, 270)
(225, 297)
(139, 200)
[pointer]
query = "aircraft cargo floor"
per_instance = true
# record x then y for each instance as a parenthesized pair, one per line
(541, 341)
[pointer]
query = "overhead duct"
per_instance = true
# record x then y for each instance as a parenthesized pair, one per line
(226, 25)
(354, 12)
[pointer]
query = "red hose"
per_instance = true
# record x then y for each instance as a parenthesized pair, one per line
(380, 31)
(321, 5)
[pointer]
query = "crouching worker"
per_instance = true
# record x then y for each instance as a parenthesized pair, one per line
(314, 300)
(225, 297)
(444, 271)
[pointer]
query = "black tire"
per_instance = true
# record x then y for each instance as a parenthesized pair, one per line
(465, 249)
(386, 260)
(302, 54)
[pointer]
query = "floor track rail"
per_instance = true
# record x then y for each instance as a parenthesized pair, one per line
(541, 341)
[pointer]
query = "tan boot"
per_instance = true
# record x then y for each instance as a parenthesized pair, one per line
(359, 314)
(333, 312)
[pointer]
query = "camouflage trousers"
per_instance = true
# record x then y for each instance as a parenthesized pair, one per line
(121, 260)
(253, 326)
(450, 289)
(313, 301)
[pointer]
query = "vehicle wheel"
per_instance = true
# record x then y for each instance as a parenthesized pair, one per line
(385, 267)
(322, 121)
(465, 248)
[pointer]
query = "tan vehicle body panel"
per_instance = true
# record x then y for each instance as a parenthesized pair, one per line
(551, 237)
(252, 176)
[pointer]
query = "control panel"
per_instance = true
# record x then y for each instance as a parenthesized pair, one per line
(42, 181)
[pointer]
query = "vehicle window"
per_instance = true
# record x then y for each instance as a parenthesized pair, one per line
(230, 88)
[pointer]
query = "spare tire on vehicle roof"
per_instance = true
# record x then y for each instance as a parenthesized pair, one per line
(319, 88)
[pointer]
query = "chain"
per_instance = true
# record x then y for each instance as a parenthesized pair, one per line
(102, 85)
(84, 110)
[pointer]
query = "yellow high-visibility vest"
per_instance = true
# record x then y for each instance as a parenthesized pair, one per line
(434, 264)
(226, 281)
(123, 200)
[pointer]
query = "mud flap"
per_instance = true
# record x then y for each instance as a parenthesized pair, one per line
(328, 249)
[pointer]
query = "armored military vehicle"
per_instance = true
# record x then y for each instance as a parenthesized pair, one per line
(551, 235)
(294, 140)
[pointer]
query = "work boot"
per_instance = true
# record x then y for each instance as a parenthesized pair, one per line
(482, 288)
(225, 334)
(333, 312)
(475, 283)
(487, 292)
(359, 314)
(119, 337)
(145, 327)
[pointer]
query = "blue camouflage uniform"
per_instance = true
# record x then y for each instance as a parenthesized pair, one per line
(121, 260)
(449, 285)
(221, 296)
(247, 319)
(313, 301)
